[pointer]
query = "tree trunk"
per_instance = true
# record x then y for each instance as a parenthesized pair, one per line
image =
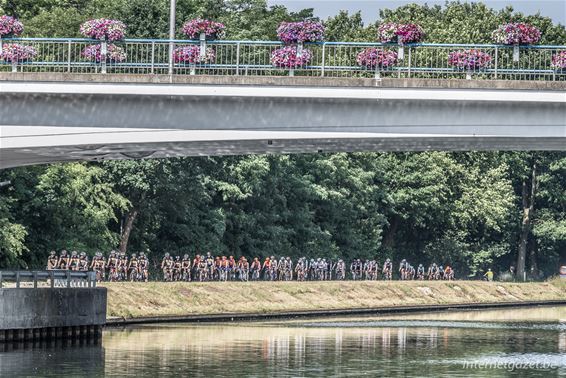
(528, 197)
(130, 218)
(389, 238)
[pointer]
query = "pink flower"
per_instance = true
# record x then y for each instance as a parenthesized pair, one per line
(191, 54)
(104, 29)
(391, 32)
(211, 29)
(559, 60)
(287, 57)
(113, 53)
(13, 52)
(469, 59)
(516, 34)
(372, 57)
(305, 31)
(10, 26)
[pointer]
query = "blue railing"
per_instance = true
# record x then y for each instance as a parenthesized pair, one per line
(329, 59)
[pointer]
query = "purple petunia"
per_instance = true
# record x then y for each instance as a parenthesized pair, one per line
(113, 53)
(469, 59)
(299, 32)
(192, 55)
(211, 29)
(104, 29)
(391, 32)
(559, 60)
(10, 26)
(516, 34)
(13, 53)
(372, 57)
(288, 57)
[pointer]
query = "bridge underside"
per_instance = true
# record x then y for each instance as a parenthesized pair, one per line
(43, 123)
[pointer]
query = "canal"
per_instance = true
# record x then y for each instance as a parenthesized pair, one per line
(498, 343)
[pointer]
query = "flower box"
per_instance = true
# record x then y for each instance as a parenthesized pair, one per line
(199, 28)
(300, 32)
(559, 61)
(104, 29)
(289, 57)
(192, 55)
(114, 54)
(372, 58)
(10, 27)
(470, 60)
(16, 53)
(391, 32)
(516, 34)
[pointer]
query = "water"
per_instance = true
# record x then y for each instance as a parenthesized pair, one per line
(524, 342)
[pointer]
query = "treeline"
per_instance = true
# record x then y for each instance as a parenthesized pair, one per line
(469, 210)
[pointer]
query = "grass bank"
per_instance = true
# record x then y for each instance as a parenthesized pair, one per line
(133, 300)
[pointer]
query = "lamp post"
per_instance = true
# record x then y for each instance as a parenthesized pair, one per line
(172, 34)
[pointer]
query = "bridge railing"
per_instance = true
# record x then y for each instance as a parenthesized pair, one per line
(48, 278)
(329, 59)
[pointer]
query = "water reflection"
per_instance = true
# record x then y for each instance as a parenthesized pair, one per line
(327, 347)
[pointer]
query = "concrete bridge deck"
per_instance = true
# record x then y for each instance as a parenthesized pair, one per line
(50, 117)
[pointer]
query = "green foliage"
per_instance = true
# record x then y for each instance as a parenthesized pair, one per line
(461, 209)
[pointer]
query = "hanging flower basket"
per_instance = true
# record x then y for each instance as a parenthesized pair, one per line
(469, 60)
(114, 54)
(300, 32)
(288, 57)
(559, 61)
(104, 29)
(516, 34)
(371, 58)
(392, 32)
(16, 53)
(10, 27)
(211, 30)
(191, 54)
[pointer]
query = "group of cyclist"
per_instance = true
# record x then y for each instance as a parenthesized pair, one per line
(118, 267)
(211, 268)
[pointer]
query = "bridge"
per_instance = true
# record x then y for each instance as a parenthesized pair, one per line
(62, 108)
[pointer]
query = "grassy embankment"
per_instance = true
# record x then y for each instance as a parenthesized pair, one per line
(130, 300)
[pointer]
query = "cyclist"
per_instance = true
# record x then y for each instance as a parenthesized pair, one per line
(256, 269)
(403, 266)
(167, 267)
(244, 269)
(133, 266)
(186, 268)
(340, 270)
(52, 260)
(144, 267)
(388, 270)
(420, 272)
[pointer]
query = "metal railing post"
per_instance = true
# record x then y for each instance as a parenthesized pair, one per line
(17, 280)
(69, 52)
(103, 51)
(152, 57)
(171, 51)
(34, 280)
(0, 279)
(496, 60)
(52, 278)
(68, 279)
(238, 59)
(322, 73)
(410, 62)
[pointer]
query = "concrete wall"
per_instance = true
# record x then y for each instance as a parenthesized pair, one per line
(52, 308)
(283, 81)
